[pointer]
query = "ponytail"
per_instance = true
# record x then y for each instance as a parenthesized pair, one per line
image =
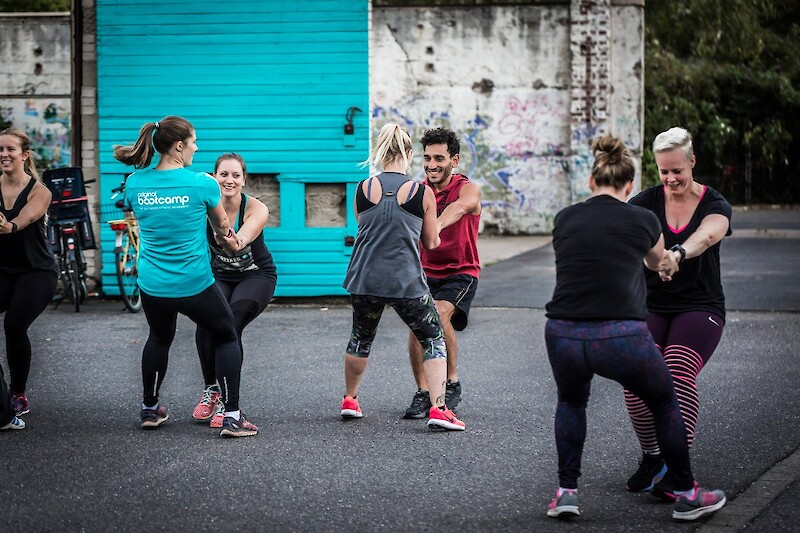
(393, 144)
(154, 137)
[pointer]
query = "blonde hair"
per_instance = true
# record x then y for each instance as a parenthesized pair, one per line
(674, 138)
(154, 137)
(393, 144)
(612, 164)
(25, 145)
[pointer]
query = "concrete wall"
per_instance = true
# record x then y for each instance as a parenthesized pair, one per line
(35, 83)
(527, 88)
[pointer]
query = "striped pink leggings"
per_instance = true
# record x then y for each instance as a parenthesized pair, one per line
(687, 341)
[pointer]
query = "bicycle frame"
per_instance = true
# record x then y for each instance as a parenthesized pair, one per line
(126, 254)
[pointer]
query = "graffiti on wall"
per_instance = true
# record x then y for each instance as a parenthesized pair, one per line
(515, 156)
(48, 124)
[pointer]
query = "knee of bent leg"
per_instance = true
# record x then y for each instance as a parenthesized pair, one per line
(359, 347)
(433, 348)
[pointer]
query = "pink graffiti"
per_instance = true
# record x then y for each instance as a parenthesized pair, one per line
(525, 118)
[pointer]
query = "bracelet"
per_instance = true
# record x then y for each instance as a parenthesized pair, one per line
(230, 233)
(13, 226)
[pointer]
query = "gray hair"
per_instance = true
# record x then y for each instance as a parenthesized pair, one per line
(674, 138)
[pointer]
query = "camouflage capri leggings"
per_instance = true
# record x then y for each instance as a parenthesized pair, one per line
(419, 314)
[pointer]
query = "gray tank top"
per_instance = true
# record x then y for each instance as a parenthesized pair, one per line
(385, 260)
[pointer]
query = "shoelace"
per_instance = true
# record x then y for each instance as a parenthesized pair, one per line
(207, 394)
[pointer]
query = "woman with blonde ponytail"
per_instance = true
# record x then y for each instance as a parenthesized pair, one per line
(596, 325)
(173, 205)
(28, 272)
(394, 215)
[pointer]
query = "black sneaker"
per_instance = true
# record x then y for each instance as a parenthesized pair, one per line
(152, 418)
(665, 489)
(651, 470)
(237, 428)
(420, 405)
(452, 394)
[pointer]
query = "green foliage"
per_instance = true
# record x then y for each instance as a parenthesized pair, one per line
(728, 72)
(34, 6)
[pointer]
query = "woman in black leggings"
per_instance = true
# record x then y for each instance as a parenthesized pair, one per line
(28, 272)
(596, 325)
(172, 205)
(246, 277)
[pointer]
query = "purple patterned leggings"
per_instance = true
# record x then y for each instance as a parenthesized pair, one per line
(623, 351)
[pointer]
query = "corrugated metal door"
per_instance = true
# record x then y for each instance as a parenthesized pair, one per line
(272, 80)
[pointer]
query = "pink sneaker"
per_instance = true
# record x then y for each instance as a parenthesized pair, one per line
(219, 415)
(444, 419)
(350, 408)
(207, 405)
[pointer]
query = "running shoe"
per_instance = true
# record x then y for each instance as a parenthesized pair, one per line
(208, 404)
(19, 402)
(219, 415)
(703, 502)
(665, 489)
(350, 408)
(444, 419)
(237, 428)
(420, 405)
(16, 423)
(152, 418)
(651, 470)
(564, 505)
(452, 394)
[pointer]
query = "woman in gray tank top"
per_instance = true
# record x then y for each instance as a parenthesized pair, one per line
(394, 215)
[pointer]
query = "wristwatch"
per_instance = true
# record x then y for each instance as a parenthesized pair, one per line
(681, 250)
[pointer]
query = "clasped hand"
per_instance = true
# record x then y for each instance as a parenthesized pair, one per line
(231, 244)
(668, 266)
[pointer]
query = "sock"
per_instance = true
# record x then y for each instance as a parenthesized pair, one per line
(150, 408)
(235, 414)
(688, 494)
(562, 490)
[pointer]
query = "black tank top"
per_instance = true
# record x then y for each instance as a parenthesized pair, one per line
(27, 249)
(254, 260)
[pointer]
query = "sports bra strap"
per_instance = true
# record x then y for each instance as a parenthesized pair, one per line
(412, 190)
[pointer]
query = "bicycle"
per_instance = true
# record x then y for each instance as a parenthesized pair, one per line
(126, 253)
(69, 230)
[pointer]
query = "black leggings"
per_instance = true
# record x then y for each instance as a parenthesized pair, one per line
(247, 298)
(23, 297)
(208, 309)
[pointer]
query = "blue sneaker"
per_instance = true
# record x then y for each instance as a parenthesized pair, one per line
(16, 423)
(564, 505)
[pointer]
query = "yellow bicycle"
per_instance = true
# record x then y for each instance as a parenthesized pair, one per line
(126, 255)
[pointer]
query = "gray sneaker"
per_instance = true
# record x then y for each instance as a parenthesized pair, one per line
(420, 405)
(704, 502)
(564, 505)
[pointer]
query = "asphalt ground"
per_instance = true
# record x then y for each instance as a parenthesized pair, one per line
(83, 464)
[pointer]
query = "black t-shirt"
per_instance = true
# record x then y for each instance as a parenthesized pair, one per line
(697, 286)
(599, 246)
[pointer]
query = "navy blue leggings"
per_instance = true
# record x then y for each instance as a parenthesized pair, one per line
(247, 298)
(23, 297)
(623, 351)
(208, 309)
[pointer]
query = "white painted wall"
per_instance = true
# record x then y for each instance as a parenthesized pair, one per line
(502, 77)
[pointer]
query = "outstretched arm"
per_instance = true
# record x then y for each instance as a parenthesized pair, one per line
(35, 208)
(255, 220)
(430, 230)
(468, 203)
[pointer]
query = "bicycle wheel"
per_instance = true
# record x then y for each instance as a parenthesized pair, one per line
(128, 274)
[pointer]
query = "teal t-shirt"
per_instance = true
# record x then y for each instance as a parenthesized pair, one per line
(171, 206)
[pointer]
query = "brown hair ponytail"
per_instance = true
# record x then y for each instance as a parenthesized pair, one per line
(154, 137)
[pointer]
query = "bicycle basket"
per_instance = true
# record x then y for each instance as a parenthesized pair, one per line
(109, 211)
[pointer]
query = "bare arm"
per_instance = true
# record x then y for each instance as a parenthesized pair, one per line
(655, 255)
(38, 202)
(468, 203)
(255, 220)
(222, 227)
(712, 229)
(430, 229)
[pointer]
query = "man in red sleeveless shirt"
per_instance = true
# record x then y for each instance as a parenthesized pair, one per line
(452, 269)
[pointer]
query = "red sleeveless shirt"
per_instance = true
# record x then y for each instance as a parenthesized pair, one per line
(458, 252)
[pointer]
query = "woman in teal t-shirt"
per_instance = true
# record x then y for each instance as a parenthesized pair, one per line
(172, 205)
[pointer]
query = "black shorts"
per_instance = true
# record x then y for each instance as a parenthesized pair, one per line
(459, 290)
